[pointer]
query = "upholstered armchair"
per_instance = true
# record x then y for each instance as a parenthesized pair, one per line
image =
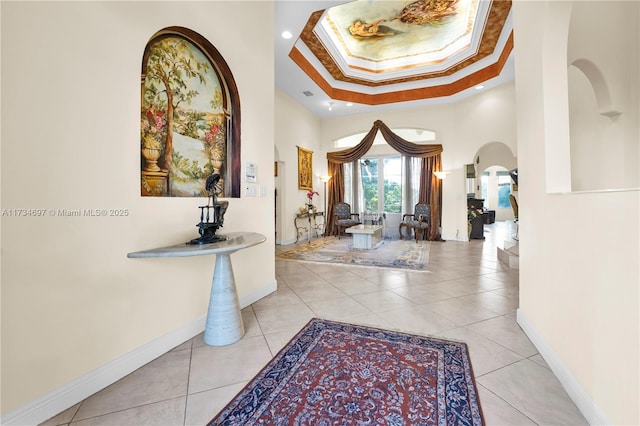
(419, 221)
(343, 218)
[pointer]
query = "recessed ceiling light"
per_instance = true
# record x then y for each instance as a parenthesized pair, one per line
(479, 86)
(349, 104)
(286, 35)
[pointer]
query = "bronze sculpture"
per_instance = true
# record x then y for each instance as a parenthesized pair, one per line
(211, 215)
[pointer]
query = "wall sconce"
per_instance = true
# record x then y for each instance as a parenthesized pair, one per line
(441, 174)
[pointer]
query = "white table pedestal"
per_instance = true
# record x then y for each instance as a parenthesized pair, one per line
(224, 318)
(365, 236)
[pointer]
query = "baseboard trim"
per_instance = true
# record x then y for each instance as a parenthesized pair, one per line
(258, 294)
(66, 396)
(574, 389)
(292, 241)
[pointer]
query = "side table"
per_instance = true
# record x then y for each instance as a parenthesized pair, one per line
(224, 319)
(311, 226)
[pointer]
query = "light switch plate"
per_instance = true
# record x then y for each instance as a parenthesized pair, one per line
(250, 190)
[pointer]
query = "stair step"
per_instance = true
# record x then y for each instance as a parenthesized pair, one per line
(510, 254)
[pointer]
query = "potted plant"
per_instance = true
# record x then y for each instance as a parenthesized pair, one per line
(472, 214)
(310, 206)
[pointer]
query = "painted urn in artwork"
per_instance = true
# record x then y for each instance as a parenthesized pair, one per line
(217, 159)
(215, 138)
(152, 126)
(151, 150)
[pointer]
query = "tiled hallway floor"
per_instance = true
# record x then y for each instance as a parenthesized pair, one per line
(466, 295)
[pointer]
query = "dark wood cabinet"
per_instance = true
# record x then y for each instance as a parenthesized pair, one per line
(477, 228)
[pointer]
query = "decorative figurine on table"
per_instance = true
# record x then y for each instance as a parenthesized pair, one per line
(211, 215)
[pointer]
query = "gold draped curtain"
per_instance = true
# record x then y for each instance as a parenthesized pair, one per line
(430, 190)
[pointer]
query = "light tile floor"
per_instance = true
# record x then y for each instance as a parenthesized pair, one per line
(466, 295)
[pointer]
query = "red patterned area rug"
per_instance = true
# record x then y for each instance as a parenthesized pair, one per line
(334, 373)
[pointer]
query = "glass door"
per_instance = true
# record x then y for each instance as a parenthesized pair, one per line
(381, 190)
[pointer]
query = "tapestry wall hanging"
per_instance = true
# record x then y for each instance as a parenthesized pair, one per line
(305, 168)
(187, 117)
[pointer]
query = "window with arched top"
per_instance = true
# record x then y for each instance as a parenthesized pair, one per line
(190, 117)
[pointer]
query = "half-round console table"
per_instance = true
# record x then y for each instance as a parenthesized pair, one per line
(224, 319)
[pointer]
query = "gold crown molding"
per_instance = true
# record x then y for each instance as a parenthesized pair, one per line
(464, 83)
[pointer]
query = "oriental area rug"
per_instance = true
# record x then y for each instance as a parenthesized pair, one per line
(333, 373)
(389, 253)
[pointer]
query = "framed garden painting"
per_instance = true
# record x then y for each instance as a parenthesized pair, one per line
(305, 168)
(190, 118)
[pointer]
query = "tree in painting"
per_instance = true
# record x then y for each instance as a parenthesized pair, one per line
(181, 86)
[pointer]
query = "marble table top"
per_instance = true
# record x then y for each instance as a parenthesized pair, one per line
(235, 241)
(363, 229)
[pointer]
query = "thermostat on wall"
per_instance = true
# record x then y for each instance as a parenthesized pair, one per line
(251, 172)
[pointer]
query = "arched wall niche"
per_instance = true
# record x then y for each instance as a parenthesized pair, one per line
(190, 117)
(596, 150)
(602, 73)
(599, 86)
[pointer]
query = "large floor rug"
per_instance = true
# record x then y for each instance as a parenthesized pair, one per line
(334, 373)
(389, 253)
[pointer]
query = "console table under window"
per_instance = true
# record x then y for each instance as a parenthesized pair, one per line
(310, 225)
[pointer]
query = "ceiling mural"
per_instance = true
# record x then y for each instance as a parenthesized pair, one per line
(376, 35)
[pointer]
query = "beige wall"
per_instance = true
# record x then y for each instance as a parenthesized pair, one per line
(71, 299)
(295, 126)
(578, 252)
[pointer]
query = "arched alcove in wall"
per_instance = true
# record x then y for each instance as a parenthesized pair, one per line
(602, 72)
(494, 154)
(596, 146)
(190, 117)
(492, 163)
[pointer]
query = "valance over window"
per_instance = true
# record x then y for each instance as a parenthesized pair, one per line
(430, 186)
